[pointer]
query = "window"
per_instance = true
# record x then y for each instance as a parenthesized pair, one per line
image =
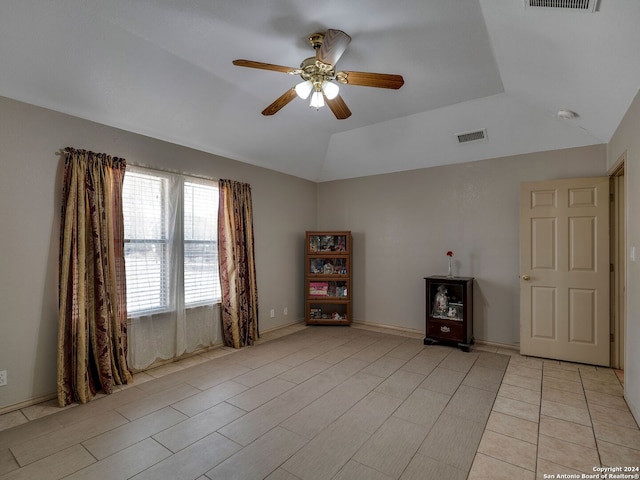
(201, 283)
(171, 252)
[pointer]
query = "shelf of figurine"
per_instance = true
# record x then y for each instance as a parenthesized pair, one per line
(328, 289)
(327, 243)
(316, 314)
(328, 266)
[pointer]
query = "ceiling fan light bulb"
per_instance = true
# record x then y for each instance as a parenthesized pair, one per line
(303, 89)
(317, 100)
(330, 90)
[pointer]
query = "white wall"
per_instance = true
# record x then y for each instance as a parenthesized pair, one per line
(30, 193)
(404, 223)
(627, 140)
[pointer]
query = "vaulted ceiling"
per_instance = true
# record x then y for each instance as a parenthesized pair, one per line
(163, 68)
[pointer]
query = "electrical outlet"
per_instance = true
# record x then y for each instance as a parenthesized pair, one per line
(3, 378)
(272, 313)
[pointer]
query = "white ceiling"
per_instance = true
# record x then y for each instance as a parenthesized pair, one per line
(163, 68)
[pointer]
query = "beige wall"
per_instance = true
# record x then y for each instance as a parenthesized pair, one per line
(30, 189)
(626, 140)
(404, 223)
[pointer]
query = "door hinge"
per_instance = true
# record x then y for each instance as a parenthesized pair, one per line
(612, 196)
(611, 338)
(611, 269)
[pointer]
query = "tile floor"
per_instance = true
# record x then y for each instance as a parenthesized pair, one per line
(334, 403)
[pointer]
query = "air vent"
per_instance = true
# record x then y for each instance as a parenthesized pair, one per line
(575, 5)
(475, 136)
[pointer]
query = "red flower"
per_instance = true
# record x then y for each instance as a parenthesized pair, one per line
(449, 253)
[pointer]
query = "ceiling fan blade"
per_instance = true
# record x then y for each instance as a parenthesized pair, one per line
(367, 79)
(333, 46)
(339, 108)
(265, 66)
(280, 102)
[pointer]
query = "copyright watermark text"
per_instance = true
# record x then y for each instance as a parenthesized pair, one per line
(601, 473)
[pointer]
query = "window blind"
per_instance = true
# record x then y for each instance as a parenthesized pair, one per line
(171, 250)
(201, 284)
(144, 205)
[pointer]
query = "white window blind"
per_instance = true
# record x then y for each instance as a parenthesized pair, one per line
(201, 284)
(144, 205)
(171, 252)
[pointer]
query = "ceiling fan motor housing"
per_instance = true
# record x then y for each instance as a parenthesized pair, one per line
(314, 70)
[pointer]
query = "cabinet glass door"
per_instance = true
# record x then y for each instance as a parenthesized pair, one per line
(328, 266)
(447, 301)
(327, 243)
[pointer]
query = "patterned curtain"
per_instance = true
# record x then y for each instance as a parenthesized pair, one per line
(237, 265)
(92, 318)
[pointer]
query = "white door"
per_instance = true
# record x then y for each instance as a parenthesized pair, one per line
(564, 270)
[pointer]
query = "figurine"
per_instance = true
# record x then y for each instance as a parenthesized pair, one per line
(316, 266)
(441, 302)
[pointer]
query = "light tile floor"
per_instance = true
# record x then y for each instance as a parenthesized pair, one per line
(334, 403)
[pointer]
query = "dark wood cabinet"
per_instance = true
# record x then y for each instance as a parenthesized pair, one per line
(449, 311)
(328, 278)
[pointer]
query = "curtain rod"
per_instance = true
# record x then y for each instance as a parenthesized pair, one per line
(168, 170)
(67, 150)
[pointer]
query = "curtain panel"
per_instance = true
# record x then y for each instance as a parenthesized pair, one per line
(92, 318)
(171, 323)
(238, 284)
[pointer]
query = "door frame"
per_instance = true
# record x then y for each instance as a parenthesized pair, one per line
(618, 239)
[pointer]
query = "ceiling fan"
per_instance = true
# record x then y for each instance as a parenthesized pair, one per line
(318, 74)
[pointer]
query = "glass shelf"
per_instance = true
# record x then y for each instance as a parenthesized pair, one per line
(327, 243)
(327, 311)
(332, 289)
(328, 266)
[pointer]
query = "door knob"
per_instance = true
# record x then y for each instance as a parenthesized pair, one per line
(526, 277)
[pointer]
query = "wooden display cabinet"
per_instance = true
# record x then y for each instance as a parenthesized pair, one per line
(328, 278)
(449, 311)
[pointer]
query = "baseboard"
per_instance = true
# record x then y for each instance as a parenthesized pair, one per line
(280, 327)
(420, 333)
(395, 329)
(509, 346)
(27, 403)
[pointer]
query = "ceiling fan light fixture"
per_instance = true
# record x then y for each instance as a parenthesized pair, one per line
(330, 90)
(303, 89)
(317, 100)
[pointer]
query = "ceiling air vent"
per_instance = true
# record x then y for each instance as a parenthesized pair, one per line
(475, 136)
(575, 5)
